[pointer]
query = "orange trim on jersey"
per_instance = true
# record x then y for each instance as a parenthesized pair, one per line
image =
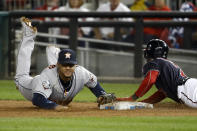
(147, 83)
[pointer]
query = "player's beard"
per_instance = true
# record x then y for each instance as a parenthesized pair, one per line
(65, 71)
(65, 75)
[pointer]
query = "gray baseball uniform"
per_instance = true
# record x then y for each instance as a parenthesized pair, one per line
(48, 83)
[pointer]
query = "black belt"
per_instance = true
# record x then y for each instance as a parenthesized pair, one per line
(183, 81)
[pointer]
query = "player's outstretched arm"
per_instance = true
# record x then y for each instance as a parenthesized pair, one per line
(97, 90)
(40, 101)
(144, 87)
(102, 96)
(155, 98)
(131, 98)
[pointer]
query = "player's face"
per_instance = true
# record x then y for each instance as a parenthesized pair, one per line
(114, 2)
(66, 70)
(159, 3)
(75, 3)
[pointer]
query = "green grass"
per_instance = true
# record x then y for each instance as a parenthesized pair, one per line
(148, 123)
(8, 91)
(99, 124)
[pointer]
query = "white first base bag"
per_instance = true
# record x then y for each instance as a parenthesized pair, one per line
(125, 105)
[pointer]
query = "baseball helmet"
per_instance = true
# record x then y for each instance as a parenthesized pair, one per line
(156, 48)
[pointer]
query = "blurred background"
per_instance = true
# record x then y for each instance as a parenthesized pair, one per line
(90, 4)
(113, 50)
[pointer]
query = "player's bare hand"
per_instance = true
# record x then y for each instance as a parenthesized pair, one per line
(61, 108)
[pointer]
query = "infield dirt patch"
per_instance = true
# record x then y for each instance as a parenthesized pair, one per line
(26, 109)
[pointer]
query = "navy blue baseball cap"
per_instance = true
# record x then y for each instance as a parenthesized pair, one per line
(67, 56)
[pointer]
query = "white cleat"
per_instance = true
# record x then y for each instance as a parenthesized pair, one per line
(28, 29)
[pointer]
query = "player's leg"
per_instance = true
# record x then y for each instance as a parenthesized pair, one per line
(22, 78)
(188, 93)
(52, 54)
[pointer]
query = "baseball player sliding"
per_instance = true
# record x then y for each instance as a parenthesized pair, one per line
(59, 83)
(169, 79)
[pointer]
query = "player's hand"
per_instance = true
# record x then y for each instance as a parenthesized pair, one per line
(61, 108)
(125, 99)
(106, 98)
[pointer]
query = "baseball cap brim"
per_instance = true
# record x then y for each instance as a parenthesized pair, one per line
(68, 62)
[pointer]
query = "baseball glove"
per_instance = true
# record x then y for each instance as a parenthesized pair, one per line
(106, 98)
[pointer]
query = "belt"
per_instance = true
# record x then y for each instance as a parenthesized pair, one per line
(183, 81)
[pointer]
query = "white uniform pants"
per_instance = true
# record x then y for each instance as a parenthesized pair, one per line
(188, 93)
(22, 78)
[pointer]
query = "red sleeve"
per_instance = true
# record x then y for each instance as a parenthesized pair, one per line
(155, 98)
(147, 83)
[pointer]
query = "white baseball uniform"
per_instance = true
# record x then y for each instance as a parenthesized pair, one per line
(86, 30)
(188, 92)
(106, 7)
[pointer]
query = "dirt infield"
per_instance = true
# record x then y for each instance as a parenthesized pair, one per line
(26, 109)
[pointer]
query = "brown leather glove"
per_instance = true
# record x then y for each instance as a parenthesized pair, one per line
(107, 98)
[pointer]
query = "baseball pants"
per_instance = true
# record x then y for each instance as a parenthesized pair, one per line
(188, 92)
(22, 78)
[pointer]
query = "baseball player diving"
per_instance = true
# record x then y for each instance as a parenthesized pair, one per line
(168, 78)
(57, 84)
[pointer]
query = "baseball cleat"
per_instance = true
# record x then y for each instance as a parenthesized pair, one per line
(29, 30)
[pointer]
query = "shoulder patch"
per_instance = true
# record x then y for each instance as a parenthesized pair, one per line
(46, 85)
(92, 78)
(51, 66)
